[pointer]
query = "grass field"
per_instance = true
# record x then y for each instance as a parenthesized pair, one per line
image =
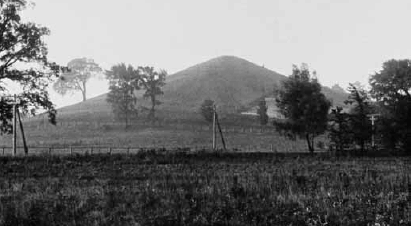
(194, 135)
(204, 189)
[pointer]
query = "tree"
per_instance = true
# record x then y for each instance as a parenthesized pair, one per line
(81, 70)
(391, 87)
(360, 124)
(207, 110)
(152, 82)
(23, 63)
(123, 82)
(339, 128)
(262, 112)
(303, 105)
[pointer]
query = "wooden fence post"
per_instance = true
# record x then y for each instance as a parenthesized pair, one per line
(109, 150)
(49, 151)
(71, 150)
(3, 151)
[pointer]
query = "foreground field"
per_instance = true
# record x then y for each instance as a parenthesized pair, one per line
(204, 189)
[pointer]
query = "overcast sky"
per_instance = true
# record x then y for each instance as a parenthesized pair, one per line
(343, 40)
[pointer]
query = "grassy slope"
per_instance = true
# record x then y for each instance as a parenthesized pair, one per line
(232, 82)
(235, 84)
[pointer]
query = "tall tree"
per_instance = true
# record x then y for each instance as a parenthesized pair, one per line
(360, 124)
(152, 82)
(262, 112)
(124, 81)
(23, 63)
(391, 87)
(81, 70)
(207, 110)
(339, 128)
(303, 105)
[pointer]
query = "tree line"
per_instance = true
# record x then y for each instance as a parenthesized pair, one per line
(382, 113)
(124, 82)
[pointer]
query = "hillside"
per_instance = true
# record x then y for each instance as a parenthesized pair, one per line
(233, 83)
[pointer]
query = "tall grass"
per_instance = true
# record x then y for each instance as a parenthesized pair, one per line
(204, 189)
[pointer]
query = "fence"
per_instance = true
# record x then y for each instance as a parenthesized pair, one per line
(105, 125)
(70, 150)
(73, 150)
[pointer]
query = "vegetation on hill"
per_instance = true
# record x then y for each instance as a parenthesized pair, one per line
(234, 84)
(303, 105)
(230, 81)
(153, 82)
(124, 81)
(80, 71)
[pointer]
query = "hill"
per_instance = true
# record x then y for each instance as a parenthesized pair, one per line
(233, 83)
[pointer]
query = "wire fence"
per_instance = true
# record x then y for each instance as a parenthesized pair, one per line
(82, 150)
(106, 125)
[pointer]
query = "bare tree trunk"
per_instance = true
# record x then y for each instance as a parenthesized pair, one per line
(126, 120)
(83, 91)
(152, 110)
(126, 112)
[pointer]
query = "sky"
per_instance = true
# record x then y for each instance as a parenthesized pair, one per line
(342, 40)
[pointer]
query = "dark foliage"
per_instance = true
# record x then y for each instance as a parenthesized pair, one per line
(303, 105)
(391, 87)
(339, 129)
(21, 43)
(124, 81)
(152, 81)
(207, 110)
(262, 112)
(360, 123)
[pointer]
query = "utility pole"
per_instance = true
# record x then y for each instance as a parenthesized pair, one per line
(14, 102)
(221, 133)
(14, 127)
(26, 149)
(373, 118)
(214, 127)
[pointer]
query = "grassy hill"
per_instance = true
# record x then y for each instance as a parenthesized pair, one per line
(233, 83)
